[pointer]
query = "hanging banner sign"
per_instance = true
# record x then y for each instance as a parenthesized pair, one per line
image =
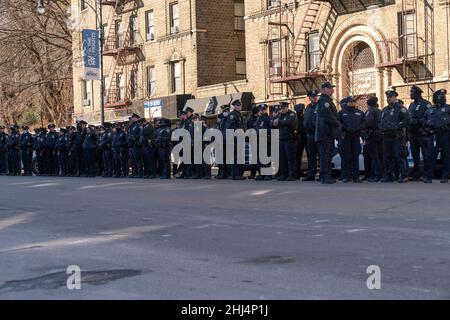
(91, 54)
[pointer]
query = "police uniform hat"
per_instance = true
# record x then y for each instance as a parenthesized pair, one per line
(346, 101)
(236, 102)
(51, 125)
(204, 118)
(327, 85)
(299, 107)
(255, 110)
(438, 93)
(284, 105)
(417, 89)
(107, 124)
(44, 130)
(276, 108)
(391, 92)
(116, 125)
(372, 101)
(312, 93)
(262, 106)
(225, 107)
(63, 130)
(37, 130)
(25, 127)
(135, 116)
(182, 112)
(188, 109)
(82, 122)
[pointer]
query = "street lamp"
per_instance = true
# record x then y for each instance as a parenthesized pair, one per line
(40, 7)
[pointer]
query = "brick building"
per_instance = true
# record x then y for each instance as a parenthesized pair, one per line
(158, 52)
(363, 46)
(198, 49)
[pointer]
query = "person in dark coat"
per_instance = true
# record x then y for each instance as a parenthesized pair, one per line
(26, 148)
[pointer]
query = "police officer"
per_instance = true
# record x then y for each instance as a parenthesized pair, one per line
(163, 137)
(13, 144)
(263, 123)
(3, 151)
(26, 147)
(62, 150)
(120, 152)
(287, 126)
(352, 124)
(89, 150)
(327, 130)
(134, 134)
(50, 152)
(234, 122)
(187, 124)
(105, 146)
(437, 123)
(418, 138)
(301, 136)
(39, 147)
(221, 125)
(310, 128)
(275, 110)
(373, 139)
(76, 152)
(394, 119)
(148, 149)
(206, 166)
(251, 121)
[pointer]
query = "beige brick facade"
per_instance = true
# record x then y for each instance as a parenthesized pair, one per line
(374, 28)
(206, 45)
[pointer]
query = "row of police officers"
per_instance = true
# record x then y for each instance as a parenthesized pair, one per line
(319, 128)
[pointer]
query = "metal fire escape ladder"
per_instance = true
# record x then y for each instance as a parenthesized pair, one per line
(126, 53)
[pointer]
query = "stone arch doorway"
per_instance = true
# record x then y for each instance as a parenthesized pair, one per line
(359, 75)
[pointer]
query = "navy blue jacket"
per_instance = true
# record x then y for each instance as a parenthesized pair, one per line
(353, 122)
(327, 120)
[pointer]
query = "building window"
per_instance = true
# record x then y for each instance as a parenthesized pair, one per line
(313, 51)
(105, 86)
(174, 18)
(133, 29)
(407, 34)
(120, 86)
(241, 70)
(133, 84)
(86, 91)
(149, 26)
(239, 13)
(83, 4)
(117, 33)
(176, 76)
(151, 81)
(275, 58)
(272, 3)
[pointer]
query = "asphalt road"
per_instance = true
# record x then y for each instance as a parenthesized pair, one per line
(196, 239)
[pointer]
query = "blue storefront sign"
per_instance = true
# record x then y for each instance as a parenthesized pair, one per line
(91, 54)
(153, 109)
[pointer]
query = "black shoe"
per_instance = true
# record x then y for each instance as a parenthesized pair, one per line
(251, 177)
(282, 178)
(238, 178)
(327, 181)
(387, 180)
(309, 179)
(345, 180)
(259, 178)
(445, 180)
(357, 181)
(402, 180)
(221, 177)
(291, 178)
(195, 177)
(207, 177)
(268, 178)
(427, 180)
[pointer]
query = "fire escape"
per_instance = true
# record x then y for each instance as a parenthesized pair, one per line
(294, 70)
(412, 54)
(123, 44)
